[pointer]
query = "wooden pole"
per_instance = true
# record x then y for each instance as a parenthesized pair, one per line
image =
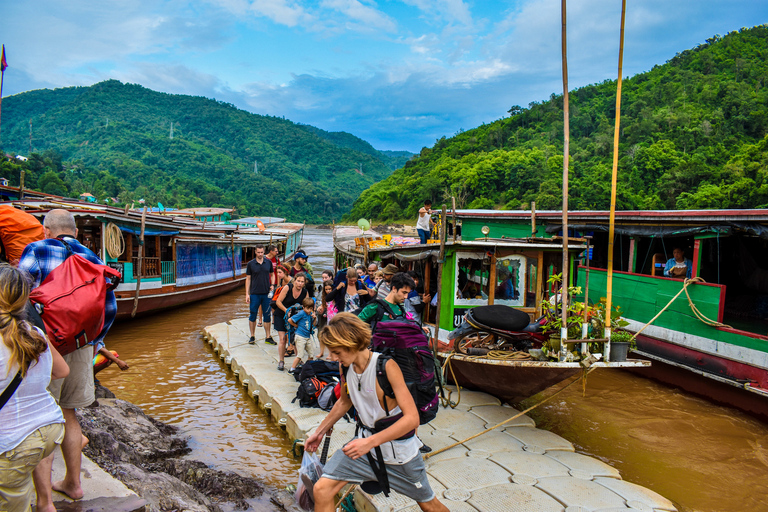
(585, 323)
(444, 222)
(614, 176)
(139, 263)
(533, 219)
(453, 208)
(566, 150)
(232, 247)
(491, 280)
(21, 188)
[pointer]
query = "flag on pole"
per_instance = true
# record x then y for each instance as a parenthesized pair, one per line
(3, 64)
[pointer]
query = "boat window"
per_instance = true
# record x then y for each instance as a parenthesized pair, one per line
(530, 294)
(472, 278)
(510, 285)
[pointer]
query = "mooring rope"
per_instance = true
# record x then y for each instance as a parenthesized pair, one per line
(441, 450)
(698, 314)
(113, 240)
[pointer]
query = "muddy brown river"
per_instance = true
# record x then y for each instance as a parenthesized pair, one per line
(702, 456)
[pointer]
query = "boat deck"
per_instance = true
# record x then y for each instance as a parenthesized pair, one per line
(517, 467)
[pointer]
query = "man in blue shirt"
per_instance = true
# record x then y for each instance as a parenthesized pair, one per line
(679, 266)
(77, 390)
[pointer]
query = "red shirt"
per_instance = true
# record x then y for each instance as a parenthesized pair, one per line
(275, 262)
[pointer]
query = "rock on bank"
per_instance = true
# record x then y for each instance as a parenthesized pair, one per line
(144, 454)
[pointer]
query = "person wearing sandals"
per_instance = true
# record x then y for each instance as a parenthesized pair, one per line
(31, 422)
(292, 293)
(347, 338)
(258, 284)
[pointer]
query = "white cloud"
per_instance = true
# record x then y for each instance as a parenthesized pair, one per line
(362, 16)
(280, 11)
(447, 11)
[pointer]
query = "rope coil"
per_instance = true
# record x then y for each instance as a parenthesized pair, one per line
(113, 240)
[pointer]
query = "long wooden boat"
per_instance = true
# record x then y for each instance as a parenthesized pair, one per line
(167, 260)
(725, 359)
(481, 263)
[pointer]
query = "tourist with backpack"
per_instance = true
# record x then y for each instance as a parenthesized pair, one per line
(40, 259)
(401, 285)
(292, 293)
(31, 423)
(386, 423)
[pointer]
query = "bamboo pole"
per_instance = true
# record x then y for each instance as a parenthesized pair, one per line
(585, 324)
(533, 219)
(140, 261)
(614, 175)
(453, 209)
(21, 190)
(443, 224)
(566, 150)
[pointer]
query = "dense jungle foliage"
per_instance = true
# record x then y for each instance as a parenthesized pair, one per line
(114, 140)
(693, 135)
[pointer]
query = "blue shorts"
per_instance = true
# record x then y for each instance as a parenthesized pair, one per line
(423, 235)
(266, 310)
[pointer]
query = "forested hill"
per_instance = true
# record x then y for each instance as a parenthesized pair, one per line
(393, 159)
(115, 140)
(693, 135)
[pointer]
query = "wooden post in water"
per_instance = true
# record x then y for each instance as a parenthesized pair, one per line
(614, 175)
(139, 263)
(566, 150)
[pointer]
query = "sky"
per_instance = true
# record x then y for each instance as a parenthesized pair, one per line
(399, 74)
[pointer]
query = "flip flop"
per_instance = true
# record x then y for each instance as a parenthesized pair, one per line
(259, 324)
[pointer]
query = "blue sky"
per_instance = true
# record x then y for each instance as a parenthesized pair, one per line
(397, 73)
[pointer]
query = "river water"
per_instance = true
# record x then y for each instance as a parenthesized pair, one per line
(704, 457)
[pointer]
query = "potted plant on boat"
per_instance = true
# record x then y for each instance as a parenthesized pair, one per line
(553, 311)
(621, 343)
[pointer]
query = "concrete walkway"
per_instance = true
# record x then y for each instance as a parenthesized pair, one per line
(514, 468)
(103, 492)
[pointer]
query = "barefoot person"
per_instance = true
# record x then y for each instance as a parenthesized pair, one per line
(31, 423)
(347, 337)
(76, 390)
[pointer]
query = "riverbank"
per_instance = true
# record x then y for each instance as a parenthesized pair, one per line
(515, 464)
(147, 456)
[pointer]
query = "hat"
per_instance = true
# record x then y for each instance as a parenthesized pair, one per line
(390, 270)
(300, 254)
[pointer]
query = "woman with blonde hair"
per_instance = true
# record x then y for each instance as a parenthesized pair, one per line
(31, 422)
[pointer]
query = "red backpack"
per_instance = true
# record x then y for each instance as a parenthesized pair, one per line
(71, 301)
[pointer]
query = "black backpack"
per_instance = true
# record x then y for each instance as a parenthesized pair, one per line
(313, 378)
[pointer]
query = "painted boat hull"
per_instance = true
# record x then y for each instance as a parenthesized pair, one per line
(508, 383)
(719, 379)
(153, 301)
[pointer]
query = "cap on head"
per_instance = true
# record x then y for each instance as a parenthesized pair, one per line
(300, 254)
(390, 270)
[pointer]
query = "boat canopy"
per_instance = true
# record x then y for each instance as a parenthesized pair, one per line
(147, 232)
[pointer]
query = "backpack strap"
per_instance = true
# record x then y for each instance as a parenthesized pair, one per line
(11, 389)
(383, 308)
(68, 247)
(381, 377)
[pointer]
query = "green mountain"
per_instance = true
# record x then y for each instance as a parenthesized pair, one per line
(392, 159)
(693, 135)
(126, 141)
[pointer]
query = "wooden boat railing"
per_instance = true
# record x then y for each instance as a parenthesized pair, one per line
(150, 267)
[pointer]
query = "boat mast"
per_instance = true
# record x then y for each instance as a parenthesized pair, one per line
(612, 218)
(566, 150)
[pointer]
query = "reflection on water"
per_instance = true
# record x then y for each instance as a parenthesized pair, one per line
(704, 457)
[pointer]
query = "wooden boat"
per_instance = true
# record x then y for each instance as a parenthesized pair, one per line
(725, 360)
(167, 260)
(466, 272)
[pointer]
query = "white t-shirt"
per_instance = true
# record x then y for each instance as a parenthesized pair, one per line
(31, 406)
(423, 222)
(362, 391)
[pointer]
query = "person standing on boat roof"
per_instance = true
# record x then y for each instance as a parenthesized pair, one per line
(423, 223)
(76, 390)
(383, 286)
(258, 274)
(679, 266)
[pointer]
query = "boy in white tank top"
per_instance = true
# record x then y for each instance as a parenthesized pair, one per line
(347, 338)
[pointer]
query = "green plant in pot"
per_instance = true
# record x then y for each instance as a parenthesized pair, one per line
(621, 342)
(553, 312)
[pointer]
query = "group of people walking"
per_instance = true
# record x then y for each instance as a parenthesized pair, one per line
(41, 388)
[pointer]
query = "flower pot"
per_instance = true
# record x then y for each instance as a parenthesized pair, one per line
(619, 351)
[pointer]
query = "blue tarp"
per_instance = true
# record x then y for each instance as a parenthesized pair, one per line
(147, 232)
